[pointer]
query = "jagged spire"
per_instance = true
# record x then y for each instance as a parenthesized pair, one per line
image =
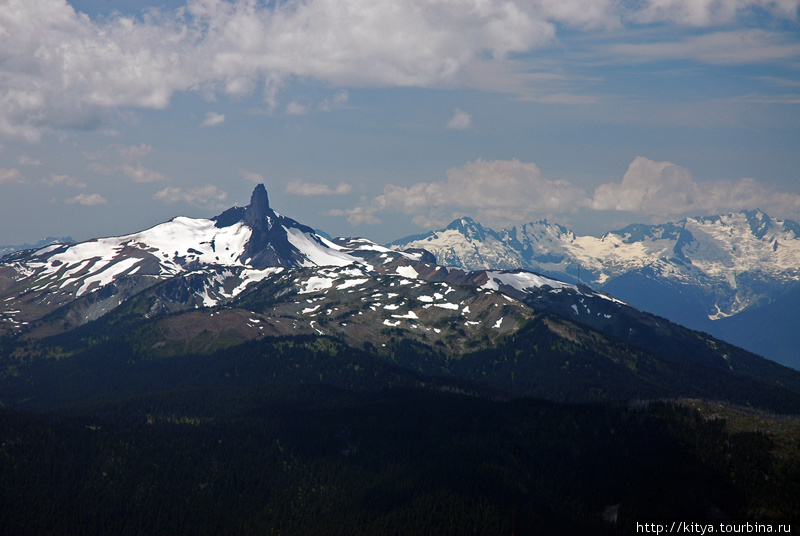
(258, 208)
(259, 198)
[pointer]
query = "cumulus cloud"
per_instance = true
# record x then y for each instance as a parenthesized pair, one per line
(8, 176)
(213, 119)
(301, 187)
(59, 68)
(206, 196)
(64, 180)
(509, 192)
(460, 121)
(497, 192)
(87, 200)
(127, 161)
(664, 189)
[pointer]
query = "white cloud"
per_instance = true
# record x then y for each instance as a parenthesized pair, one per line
(728, 47)
(64, 180)
(61, 69)
(26, 160)
(338, 100)
(460, 120)
(364, 214)
(648, 186)
(213, 119)
(664, 189)
(301, 187)
(251, 176)
(516, 76)
(207, 196)
(8, 176)
(87, 200)
(295, 108)
(138, 173)
(498, 192)
(509, 192)
(127, 161)
(709, 12)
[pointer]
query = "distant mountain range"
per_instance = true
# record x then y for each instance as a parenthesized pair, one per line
(7, 250)
(202, 285)
(736, 276)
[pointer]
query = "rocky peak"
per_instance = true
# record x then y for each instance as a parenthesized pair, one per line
(469, 228)
(257, 215)
(258, 209)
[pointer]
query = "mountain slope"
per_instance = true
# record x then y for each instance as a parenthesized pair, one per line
(696, 272)
(198, 287)
(7, 250)
(237, 245)
(243, 375)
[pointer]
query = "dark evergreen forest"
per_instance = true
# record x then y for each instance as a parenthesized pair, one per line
(304, 435)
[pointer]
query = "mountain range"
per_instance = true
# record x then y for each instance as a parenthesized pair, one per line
(202, 285)
(244, 374)
(46, 241)
(735, 276)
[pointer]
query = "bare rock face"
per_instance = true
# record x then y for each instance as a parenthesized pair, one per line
(257, 213)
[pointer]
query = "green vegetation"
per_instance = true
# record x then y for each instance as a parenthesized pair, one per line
(318, 460)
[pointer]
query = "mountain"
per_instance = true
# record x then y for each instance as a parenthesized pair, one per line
(249, 274)
(699, 272)
(6, 250)
(245, 375)
(236, 246)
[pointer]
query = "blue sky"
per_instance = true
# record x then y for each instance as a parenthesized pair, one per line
(385, 118)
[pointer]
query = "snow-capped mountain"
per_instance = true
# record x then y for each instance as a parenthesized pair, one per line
(192, 286)
(7, 250)
(698, 272)
(189, 264)
(205, 262)
(243, 240)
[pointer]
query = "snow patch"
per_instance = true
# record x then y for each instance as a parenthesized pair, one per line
(352, 283)
(407, 271)
(317, 252)
(316, 284)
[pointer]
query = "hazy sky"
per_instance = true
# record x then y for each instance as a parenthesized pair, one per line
(383, 118)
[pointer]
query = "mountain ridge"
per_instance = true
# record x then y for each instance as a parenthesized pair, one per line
(201, 286)
(46, 241)
(697, 272)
